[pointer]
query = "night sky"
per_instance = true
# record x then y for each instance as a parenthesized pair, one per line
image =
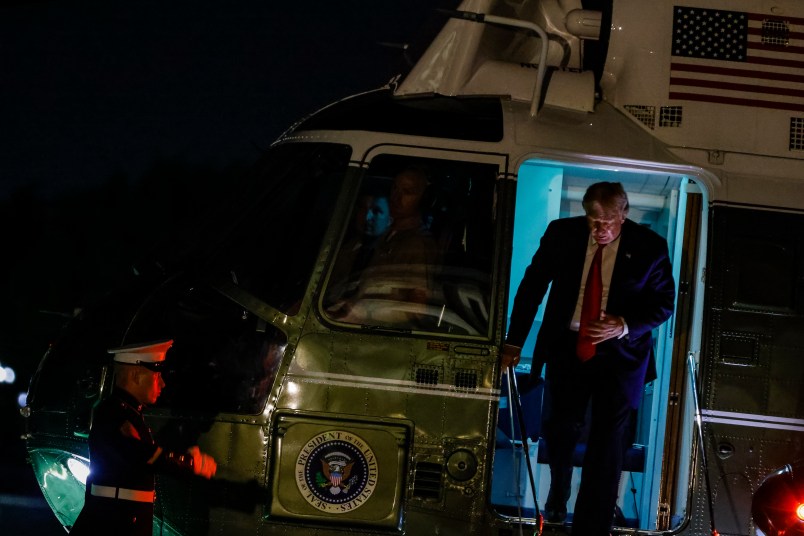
(119, 117)
(90, 89)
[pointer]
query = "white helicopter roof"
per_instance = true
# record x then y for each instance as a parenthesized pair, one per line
(607, 87)
(742, 95)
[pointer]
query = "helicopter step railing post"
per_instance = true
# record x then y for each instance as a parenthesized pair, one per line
(699, 426)
(516, 23)
(516, 406)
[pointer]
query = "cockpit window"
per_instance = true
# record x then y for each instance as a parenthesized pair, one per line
(224, 358)
(271, 251)
(417, 255)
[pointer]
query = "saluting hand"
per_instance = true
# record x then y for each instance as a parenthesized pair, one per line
(203, 464)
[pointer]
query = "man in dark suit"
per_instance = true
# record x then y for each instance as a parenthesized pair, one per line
(637, 295)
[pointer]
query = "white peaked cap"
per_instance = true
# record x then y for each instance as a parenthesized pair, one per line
(142, 353)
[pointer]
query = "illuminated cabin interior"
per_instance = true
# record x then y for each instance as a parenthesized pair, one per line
(547, 191)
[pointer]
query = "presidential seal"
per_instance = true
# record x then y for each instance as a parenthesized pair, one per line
(336, 472)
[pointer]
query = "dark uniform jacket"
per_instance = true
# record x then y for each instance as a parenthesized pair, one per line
(123, 457)
(642, 291)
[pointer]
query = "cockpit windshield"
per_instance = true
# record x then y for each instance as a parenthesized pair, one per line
(271, 249)
(418, 252)
(226, 356)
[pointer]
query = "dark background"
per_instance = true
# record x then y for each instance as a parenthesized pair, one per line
(119, 120)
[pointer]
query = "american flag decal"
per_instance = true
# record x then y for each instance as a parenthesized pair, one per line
(731, 57)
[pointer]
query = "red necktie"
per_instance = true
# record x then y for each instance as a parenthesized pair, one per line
(590, 310)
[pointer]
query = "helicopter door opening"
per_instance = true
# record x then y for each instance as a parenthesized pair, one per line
(655, 474)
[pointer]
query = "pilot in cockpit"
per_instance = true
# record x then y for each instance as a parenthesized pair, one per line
(408, 244)
(371, 220)
(397, 267)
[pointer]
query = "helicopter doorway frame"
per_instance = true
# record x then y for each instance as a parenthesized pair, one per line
(550, 188)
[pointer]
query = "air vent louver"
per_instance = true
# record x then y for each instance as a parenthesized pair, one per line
(775, 32)
(427, 480)
(427, 376)
(670, 116)
(644, 114)
(797, 133)
(466, 380)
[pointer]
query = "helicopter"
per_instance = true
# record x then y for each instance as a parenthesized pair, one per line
(341, 400)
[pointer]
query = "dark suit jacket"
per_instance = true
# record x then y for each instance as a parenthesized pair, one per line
(642, 291)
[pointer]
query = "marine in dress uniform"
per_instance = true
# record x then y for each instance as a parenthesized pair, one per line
(123, 456)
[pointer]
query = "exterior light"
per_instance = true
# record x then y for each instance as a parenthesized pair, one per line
(777, 507)
(7, 375)
(79, 469)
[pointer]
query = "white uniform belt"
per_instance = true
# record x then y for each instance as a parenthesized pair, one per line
(122, 493)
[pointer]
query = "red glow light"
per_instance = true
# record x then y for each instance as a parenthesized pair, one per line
(800, 511)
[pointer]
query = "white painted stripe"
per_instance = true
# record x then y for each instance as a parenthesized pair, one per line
(398, 386)
(388, 381)
(399, 389)
(752, 416)
(754, 424)
(753, 420)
